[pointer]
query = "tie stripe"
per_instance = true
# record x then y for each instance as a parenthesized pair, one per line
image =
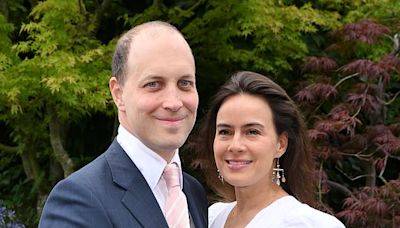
(177, 214)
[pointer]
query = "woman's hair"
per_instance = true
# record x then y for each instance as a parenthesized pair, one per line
(296, 161)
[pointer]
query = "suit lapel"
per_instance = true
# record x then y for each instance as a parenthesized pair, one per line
(193, 207)
(138, 198)
(141, 202)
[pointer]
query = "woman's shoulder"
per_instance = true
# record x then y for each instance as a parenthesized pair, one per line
(219, 207)
(219, 211)
(302, 215)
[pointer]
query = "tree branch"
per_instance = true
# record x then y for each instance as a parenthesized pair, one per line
(340, 187)
(82, 7)
(345, 78)
(4, 8)
(321, 167)
(371, 178)
(194, 6)
(105, 5)
(33, 3)
(352, 178)
(9, 149)
(58, 149)
(35, 172)
(391, 101)
(383, 170)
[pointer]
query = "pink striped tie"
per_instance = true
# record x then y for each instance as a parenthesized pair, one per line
(176, 209)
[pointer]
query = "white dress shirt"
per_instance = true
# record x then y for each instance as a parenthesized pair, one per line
(149, 163)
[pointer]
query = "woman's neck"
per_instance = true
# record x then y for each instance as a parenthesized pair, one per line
(250, 201)
(249, 198)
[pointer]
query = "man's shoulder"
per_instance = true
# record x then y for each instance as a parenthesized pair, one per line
(191, 180)
(94, 170)
(192, 185)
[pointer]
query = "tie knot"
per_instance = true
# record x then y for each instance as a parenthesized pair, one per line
(171, 175)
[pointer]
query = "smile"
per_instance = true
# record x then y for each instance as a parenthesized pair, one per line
(244, 162)
(238, 164)
(172, 119)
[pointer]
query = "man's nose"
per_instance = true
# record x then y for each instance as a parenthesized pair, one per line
(172, 100)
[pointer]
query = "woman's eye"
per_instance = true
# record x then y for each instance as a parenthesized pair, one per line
(223, 132)
(253, 132)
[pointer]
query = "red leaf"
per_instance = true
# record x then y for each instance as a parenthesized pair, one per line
(315, 135)
(305, 96)
(367, 31)
(384, 139)
(353, 217)
(391, 64)
(316, 64)
(367, 69)
(316, 91)
(369, 104)
(380, 164)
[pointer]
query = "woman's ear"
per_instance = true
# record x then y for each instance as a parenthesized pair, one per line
(282, 144)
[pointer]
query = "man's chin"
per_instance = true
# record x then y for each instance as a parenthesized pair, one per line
(173, 145)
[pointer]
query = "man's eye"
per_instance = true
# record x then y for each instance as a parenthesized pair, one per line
(152, 85)
(185, 84)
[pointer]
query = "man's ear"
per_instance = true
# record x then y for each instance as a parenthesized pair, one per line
(116, 92)
(282, 144)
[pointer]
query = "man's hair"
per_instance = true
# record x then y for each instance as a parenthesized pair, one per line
(119, 62)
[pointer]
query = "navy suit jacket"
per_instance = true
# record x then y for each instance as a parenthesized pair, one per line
(111, 192)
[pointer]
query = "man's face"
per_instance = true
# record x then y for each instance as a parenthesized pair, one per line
(159, 97)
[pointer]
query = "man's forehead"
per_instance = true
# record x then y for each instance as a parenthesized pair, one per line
(150, 36)
(158, 41)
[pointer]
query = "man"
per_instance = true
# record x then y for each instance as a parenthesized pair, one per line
(153, 87)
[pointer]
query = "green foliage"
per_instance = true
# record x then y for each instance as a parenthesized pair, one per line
(6, 59)
(260, 35)
(55, 64)
(5, 29)
(385, 11)
(57, 72)
(264, 36)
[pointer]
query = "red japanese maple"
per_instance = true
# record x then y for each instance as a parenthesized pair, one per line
(355, 136)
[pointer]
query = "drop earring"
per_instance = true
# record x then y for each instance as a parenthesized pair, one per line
(220, 177)
(278, 174)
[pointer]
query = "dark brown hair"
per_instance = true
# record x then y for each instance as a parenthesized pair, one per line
(296, 161)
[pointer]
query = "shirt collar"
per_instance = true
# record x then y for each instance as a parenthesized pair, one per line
(149, 163)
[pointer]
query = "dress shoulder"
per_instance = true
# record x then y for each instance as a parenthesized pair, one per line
(302, 215)
(218, 212)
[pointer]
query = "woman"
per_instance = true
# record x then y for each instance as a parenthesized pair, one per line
(262, 165)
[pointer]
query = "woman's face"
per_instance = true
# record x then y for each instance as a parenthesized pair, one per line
(246, 142)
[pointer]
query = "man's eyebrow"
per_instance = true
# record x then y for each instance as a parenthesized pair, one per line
(186, 76)
(223, 125)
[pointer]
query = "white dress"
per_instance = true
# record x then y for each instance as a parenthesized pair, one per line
(284, 212)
